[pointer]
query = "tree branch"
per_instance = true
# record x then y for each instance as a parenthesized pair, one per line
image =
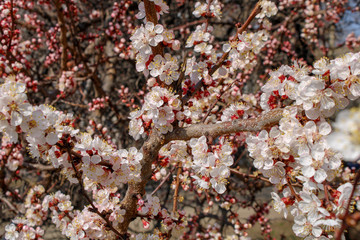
(217, 129)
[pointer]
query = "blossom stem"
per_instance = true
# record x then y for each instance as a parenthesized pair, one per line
(292, 189)
(326, 191)
(177, 184)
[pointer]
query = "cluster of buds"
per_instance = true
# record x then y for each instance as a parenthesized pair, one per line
(98, 103)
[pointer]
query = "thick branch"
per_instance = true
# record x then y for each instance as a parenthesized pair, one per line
(150, 151)
(217, 129)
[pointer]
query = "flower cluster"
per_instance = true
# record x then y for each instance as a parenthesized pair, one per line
(328, 89)
(27, 227)
(86, 223)
(20, 229)
(175, 152)
(198, 70)
(211, 166)
(298, 151)
(51, 136)
(166, 68)
(147, 37)
(300, 148)
(151, 209)
(268, 9)
(235, 111)
(98, 103)
(67, 82)
(242, 51)
(11, 155)
(293, 153)
(201, 9)
(160, 110)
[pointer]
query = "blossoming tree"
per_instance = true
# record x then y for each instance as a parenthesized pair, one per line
(198, 97)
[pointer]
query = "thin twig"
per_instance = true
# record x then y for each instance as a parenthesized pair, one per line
(75, 104)
(216, 101)
(244, 175)
(162, 182)
(189, 24)
(12, 207)
(292, 189)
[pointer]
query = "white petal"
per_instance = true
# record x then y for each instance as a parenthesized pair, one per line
(16, 119)
(308, 171)
(324, 128)
(226, 47)
(95, 159)
(316, 231)
(149, 26)
(320, 175)
(159, 28)
(52, 138)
